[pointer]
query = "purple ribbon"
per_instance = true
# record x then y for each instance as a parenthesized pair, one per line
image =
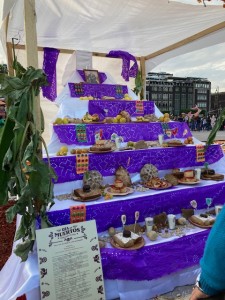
(49, 67)
(127, 71)
(102, 76)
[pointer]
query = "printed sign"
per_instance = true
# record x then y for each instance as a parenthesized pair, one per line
(70, 263)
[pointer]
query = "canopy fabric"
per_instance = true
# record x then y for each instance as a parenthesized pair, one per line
(138, 26)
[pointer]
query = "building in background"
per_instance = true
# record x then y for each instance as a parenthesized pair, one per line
(217, 102)
(178, 94)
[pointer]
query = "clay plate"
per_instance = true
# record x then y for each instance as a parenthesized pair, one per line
(175, 145)
(188, 182)
(200, 226)
(129, 191)
(126, 148)
(136, 246)
(169, 185)
(106, 151)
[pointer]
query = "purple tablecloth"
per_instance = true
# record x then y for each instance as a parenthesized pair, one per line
(129, 131)
(134, 160)
(114, 107)
(108, 213)
(98, 91)
(154, 261)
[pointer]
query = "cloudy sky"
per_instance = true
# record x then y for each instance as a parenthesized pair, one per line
(207, 63)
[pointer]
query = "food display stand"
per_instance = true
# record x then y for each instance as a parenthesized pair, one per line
(145, 270)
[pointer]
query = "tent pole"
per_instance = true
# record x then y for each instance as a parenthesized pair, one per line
(10, 59)
(9, 49)
(143, 76)
(31, 49)
(187, 40)
(30, 32)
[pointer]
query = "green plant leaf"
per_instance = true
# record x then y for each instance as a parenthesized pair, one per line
(22, 170)
(216, 127)
(6, 138)
(138, 83)
(21, 230)
(22, 250)
(14, 82)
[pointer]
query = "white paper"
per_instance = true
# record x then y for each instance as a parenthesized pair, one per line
(70, 263)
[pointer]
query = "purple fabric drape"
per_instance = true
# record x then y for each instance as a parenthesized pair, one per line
(99, 91)
(107, 213)
(134, 160)
(49, 67)
(127, 71)
(102, 76)
(129, 131)
(113, 108)
(152, 262)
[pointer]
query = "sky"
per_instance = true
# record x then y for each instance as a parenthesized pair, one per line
(207, 63)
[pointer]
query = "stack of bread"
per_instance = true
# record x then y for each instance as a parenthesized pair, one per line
(189, 176)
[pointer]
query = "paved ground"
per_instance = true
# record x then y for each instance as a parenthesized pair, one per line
(203, 135)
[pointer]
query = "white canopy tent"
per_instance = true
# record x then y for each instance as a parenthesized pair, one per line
(152, 30)
(155, 30)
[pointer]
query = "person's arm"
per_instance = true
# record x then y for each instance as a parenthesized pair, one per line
(198, 293)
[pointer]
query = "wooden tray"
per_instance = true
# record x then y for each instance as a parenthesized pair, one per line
(138, 245)
(216, 177)
(86, 197)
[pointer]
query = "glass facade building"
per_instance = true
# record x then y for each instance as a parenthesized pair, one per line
(177, 94)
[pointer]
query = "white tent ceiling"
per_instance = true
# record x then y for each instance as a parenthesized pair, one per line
(141, 27)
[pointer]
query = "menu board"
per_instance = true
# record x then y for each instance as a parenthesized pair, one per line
(70, 263)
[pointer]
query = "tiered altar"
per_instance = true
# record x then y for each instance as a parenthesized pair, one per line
(160, 265)
(157, 259)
